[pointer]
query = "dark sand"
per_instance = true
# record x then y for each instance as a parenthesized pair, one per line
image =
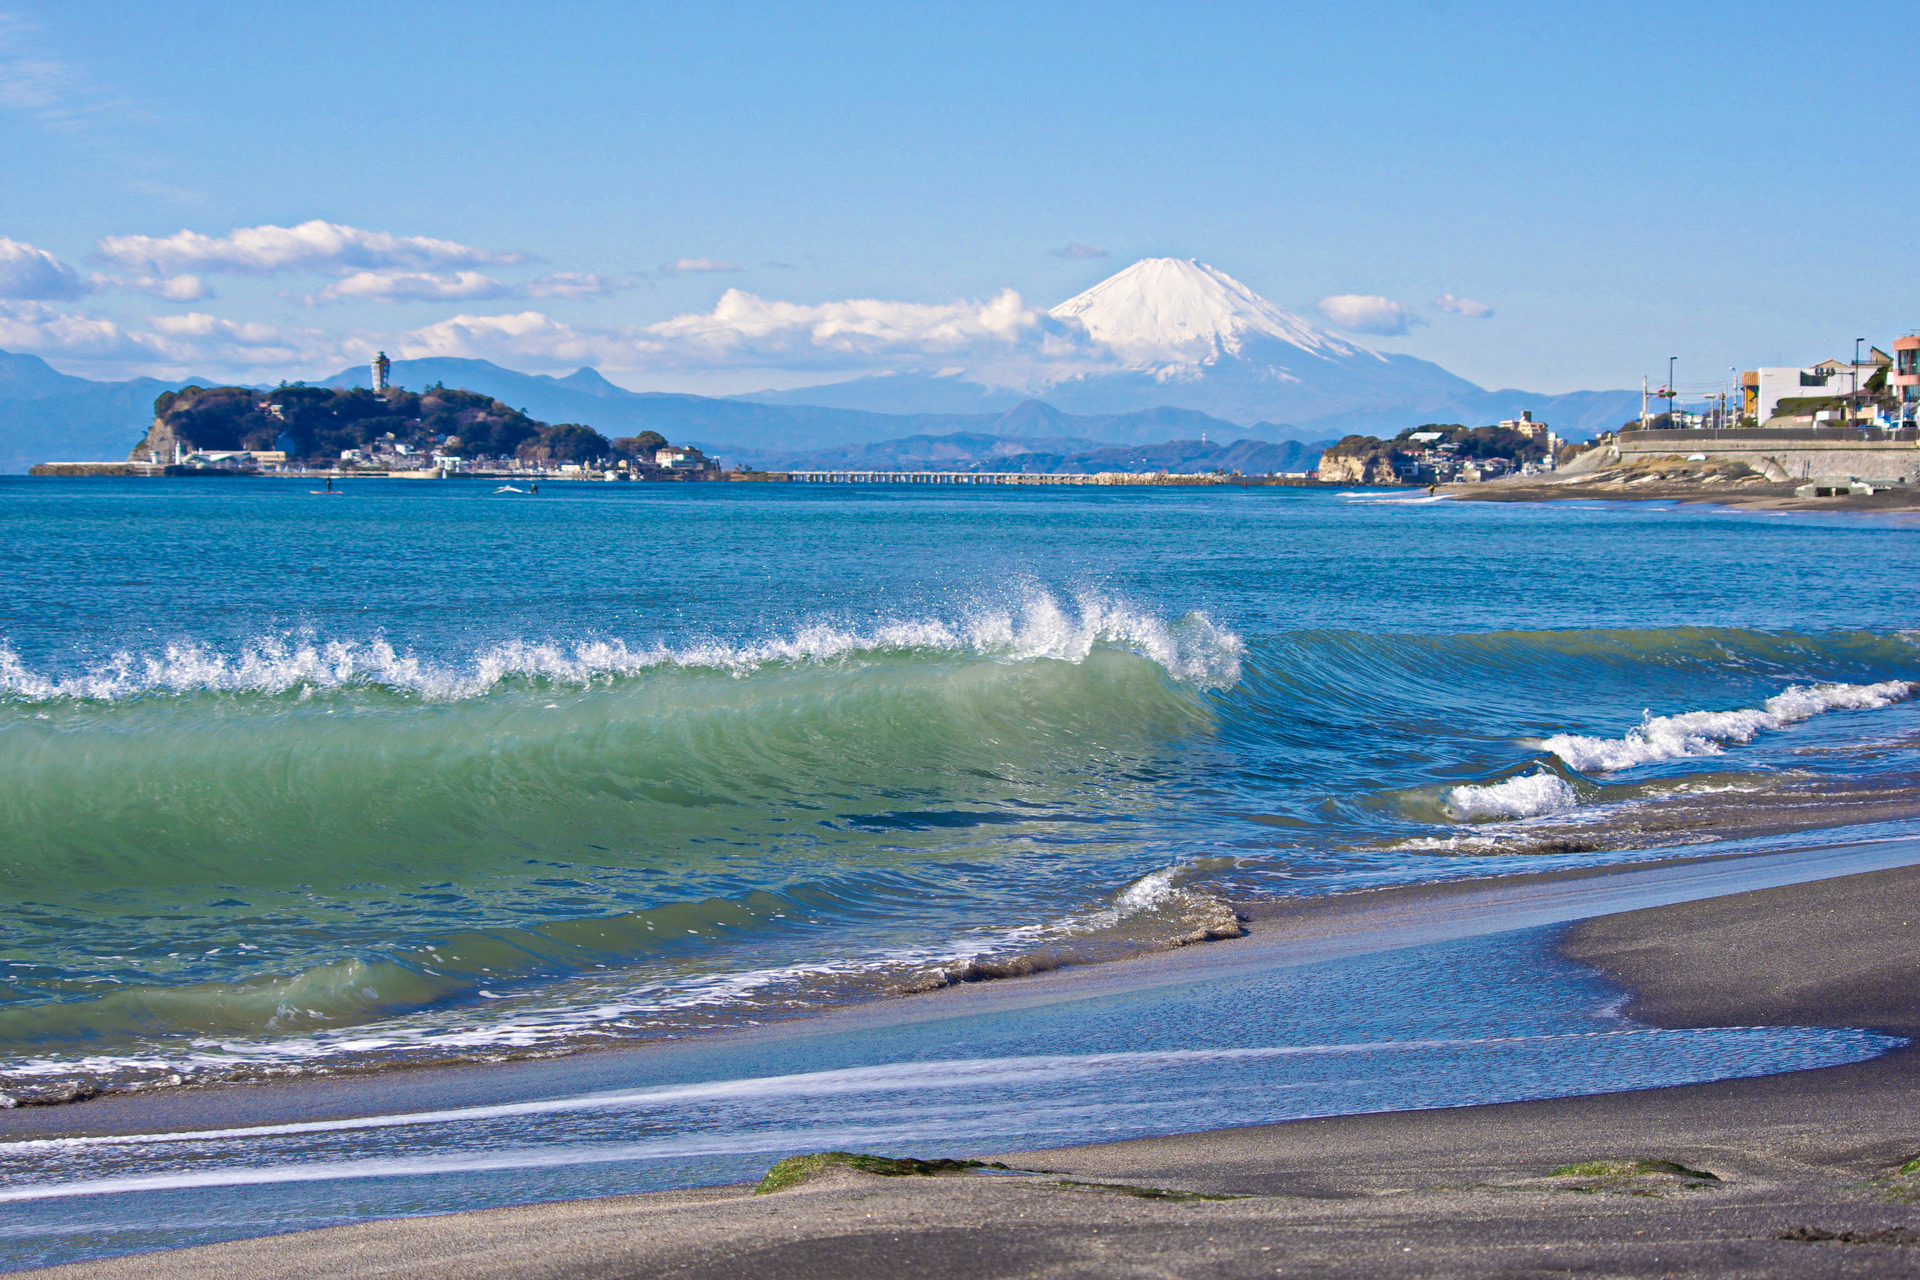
(1464, 1192)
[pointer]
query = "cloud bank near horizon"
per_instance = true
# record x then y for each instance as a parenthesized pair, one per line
(1001, 338)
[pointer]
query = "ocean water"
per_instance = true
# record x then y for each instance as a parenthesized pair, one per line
(294, 784)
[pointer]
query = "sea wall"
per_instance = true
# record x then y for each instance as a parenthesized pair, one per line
(1891, 461)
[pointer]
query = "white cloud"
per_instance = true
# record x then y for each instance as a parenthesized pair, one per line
(576, 284)
(745, 329)
(526, 335)
(412, 286)
(44, 330)
(175, 344)
(1078, 250)
(201, 340)
(30, 273)
(695, 265)
(1463, 307)
(1369, 313)
(312, 246)
(181, 288)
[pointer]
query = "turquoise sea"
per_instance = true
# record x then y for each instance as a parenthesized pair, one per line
(296, 786)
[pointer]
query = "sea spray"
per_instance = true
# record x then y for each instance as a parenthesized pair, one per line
(1190, 648)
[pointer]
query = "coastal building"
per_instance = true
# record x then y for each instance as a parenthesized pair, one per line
(1828, 378)
(381, 368)
(679, 458)
(1904, 377)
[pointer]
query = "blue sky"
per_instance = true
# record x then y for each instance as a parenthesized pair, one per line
(1731, 184)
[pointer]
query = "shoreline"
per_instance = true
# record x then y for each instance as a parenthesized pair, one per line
(1279, 932)
(1467, 1191)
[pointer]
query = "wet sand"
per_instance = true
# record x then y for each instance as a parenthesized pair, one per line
(1805, 1165)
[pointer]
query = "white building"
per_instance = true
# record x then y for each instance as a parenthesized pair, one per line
(1828, 378)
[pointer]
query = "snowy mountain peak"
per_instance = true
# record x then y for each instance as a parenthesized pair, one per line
(1162, 311)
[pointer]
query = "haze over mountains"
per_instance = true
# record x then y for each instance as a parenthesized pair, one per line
(1167, 350)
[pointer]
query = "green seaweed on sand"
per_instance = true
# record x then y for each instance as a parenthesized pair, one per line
(1143, 1193)
(1630, 1169)
(1627, 1177)
(1902, 1186)
(795, 1170)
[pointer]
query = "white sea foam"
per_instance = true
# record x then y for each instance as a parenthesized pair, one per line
(610, 1008)
(1705, 733)
(1528, 796)
(1192, 649)
(973, 1074)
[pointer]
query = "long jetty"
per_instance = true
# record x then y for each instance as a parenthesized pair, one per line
(1001, 477)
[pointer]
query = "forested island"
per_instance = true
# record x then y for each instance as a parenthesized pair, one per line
(325, 428)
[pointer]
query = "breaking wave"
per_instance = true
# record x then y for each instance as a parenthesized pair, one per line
(1705, 733)
(1527, 796)
(1192, 649)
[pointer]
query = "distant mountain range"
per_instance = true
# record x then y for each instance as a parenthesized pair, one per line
(1174, 331)
(46, 415)
(973, 451)
(1167, 350)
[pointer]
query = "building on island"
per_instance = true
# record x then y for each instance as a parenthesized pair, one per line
(680, 458)
(381, 368)
(1526, 426)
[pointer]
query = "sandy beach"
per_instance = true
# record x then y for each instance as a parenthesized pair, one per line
(1805, 1168)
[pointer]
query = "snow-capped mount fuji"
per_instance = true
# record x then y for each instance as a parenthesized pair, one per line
(1192, 335)
(1178, 333)
(1164, 313)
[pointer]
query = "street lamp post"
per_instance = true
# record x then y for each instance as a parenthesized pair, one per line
(1853, 400)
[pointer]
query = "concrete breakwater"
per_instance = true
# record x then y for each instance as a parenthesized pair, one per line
(1891, 457)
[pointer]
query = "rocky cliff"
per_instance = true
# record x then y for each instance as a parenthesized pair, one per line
(1360, 460)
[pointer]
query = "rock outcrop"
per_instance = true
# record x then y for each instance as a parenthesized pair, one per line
(1365, 467)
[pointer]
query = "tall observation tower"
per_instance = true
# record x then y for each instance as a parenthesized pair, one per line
(381, 365)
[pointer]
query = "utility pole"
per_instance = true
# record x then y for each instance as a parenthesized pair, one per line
(1670, 389)
(1643, 402)
(1853, 400)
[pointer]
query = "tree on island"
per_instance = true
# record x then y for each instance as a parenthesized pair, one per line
(567, 442)
(640, 446)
